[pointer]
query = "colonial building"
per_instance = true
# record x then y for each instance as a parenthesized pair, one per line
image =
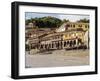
(67, 39)
(68, 36)
(73, 25)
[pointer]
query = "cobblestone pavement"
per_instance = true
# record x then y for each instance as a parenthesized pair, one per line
(57, 58)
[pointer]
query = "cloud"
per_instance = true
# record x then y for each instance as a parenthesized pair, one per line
(73, 17)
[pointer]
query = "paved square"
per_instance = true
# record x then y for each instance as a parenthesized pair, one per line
(57, 58)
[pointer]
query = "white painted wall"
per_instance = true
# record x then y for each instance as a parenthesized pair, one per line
(5, 40)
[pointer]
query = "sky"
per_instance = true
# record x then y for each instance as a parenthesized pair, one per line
(70, 17)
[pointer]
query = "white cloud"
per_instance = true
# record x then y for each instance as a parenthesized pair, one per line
(73, 18)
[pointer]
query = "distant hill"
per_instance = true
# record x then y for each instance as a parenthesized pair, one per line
(45, 22)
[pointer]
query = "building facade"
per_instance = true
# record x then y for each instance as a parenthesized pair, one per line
(68, 36)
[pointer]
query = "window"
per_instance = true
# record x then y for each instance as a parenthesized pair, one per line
(68, 25)
(64, 43)
(88, 26)
(74, 26)
(85, 26)
(80, 25)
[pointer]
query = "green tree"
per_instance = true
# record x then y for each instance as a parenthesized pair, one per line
(64, 21)
(84, 20)
(48, 21)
